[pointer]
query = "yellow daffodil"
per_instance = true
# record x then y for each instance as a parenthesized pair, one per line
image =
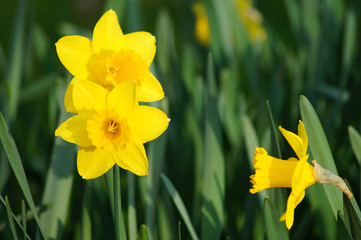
(249, 16)
(252, 20)
(111, 58)
(293, 173)
(202, 31)
(110, 128)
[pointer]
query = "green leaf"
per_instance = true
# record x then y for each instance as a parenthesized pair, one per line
(59, 178)
(214, 175)
(11, 219)
(15, 68)
(17, 167)
(251, 140)
(274, 228)
(143, 233)
(321, 151)
(2, 226)
(342, 229)
(180, 205)
(23, 216)
(86, 226)
(352, 213)
(355, 140)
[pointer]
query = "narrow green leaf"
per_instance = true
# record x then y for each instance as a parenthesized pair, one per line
(86, 225)
(352, 212)
(15, 68)
(275, 143)
(180, 205)
(119, 223)
(342, 229)
(59, 178)
(350, 36)
(11, 219)
(155, 151)
(132, 212)
(17, 167)
(321, 151)
(274, 228)
(355, 140)
(251, 140)
(23, 216)
(214, 169)
(2, 226)
(143, 233)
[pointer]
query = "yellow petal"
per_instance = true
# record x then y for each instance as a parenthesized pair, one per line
(142, 43)
(75, 53)
(122, 98)
(150, 89)
(292, 202)
(133, 158)
(68, 98)
(148, 123)
(93, 162)
(303, 135)
(294, 141)
(87, 96)
(107, 35)
(74, 130)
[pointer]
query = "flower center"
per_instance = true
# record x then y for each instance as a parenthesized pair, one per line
(107, 131)
(122, 66)
(113, 126)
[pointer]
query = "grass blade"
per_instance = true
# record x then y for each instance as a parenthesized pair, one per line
(274, 228)
(321, 151)
(23, 216)
(59, 179)
(16, 62)
(180, 205)
(342, 229)
(2, 226)
(17, 167)
(11, 219)
(143, 233)
(86, 226)
(214, 169)
(132, 213)
(355, 140)
(119, 224)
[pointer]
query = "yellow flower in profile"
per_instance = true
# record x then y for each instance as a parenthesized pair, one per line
(293, 173)
(111, 58)
(111, 128)
(252, 20)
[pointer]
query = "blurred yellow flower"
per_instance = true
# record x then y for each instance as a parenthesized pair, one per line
(203, 34)
(111, 58)
(293, 173)
(249, 16)
(252, 20)
(111, 128)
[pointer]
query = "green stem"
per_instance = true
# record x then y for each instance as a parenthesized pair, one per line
(119, 224)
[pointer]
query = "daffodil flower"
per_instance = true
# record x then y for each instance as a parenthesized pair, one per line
(111, 128)
(111, 58)
(293, 173)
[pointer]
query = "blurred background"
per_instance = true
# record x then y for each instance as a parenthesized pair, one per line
(219, 62)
